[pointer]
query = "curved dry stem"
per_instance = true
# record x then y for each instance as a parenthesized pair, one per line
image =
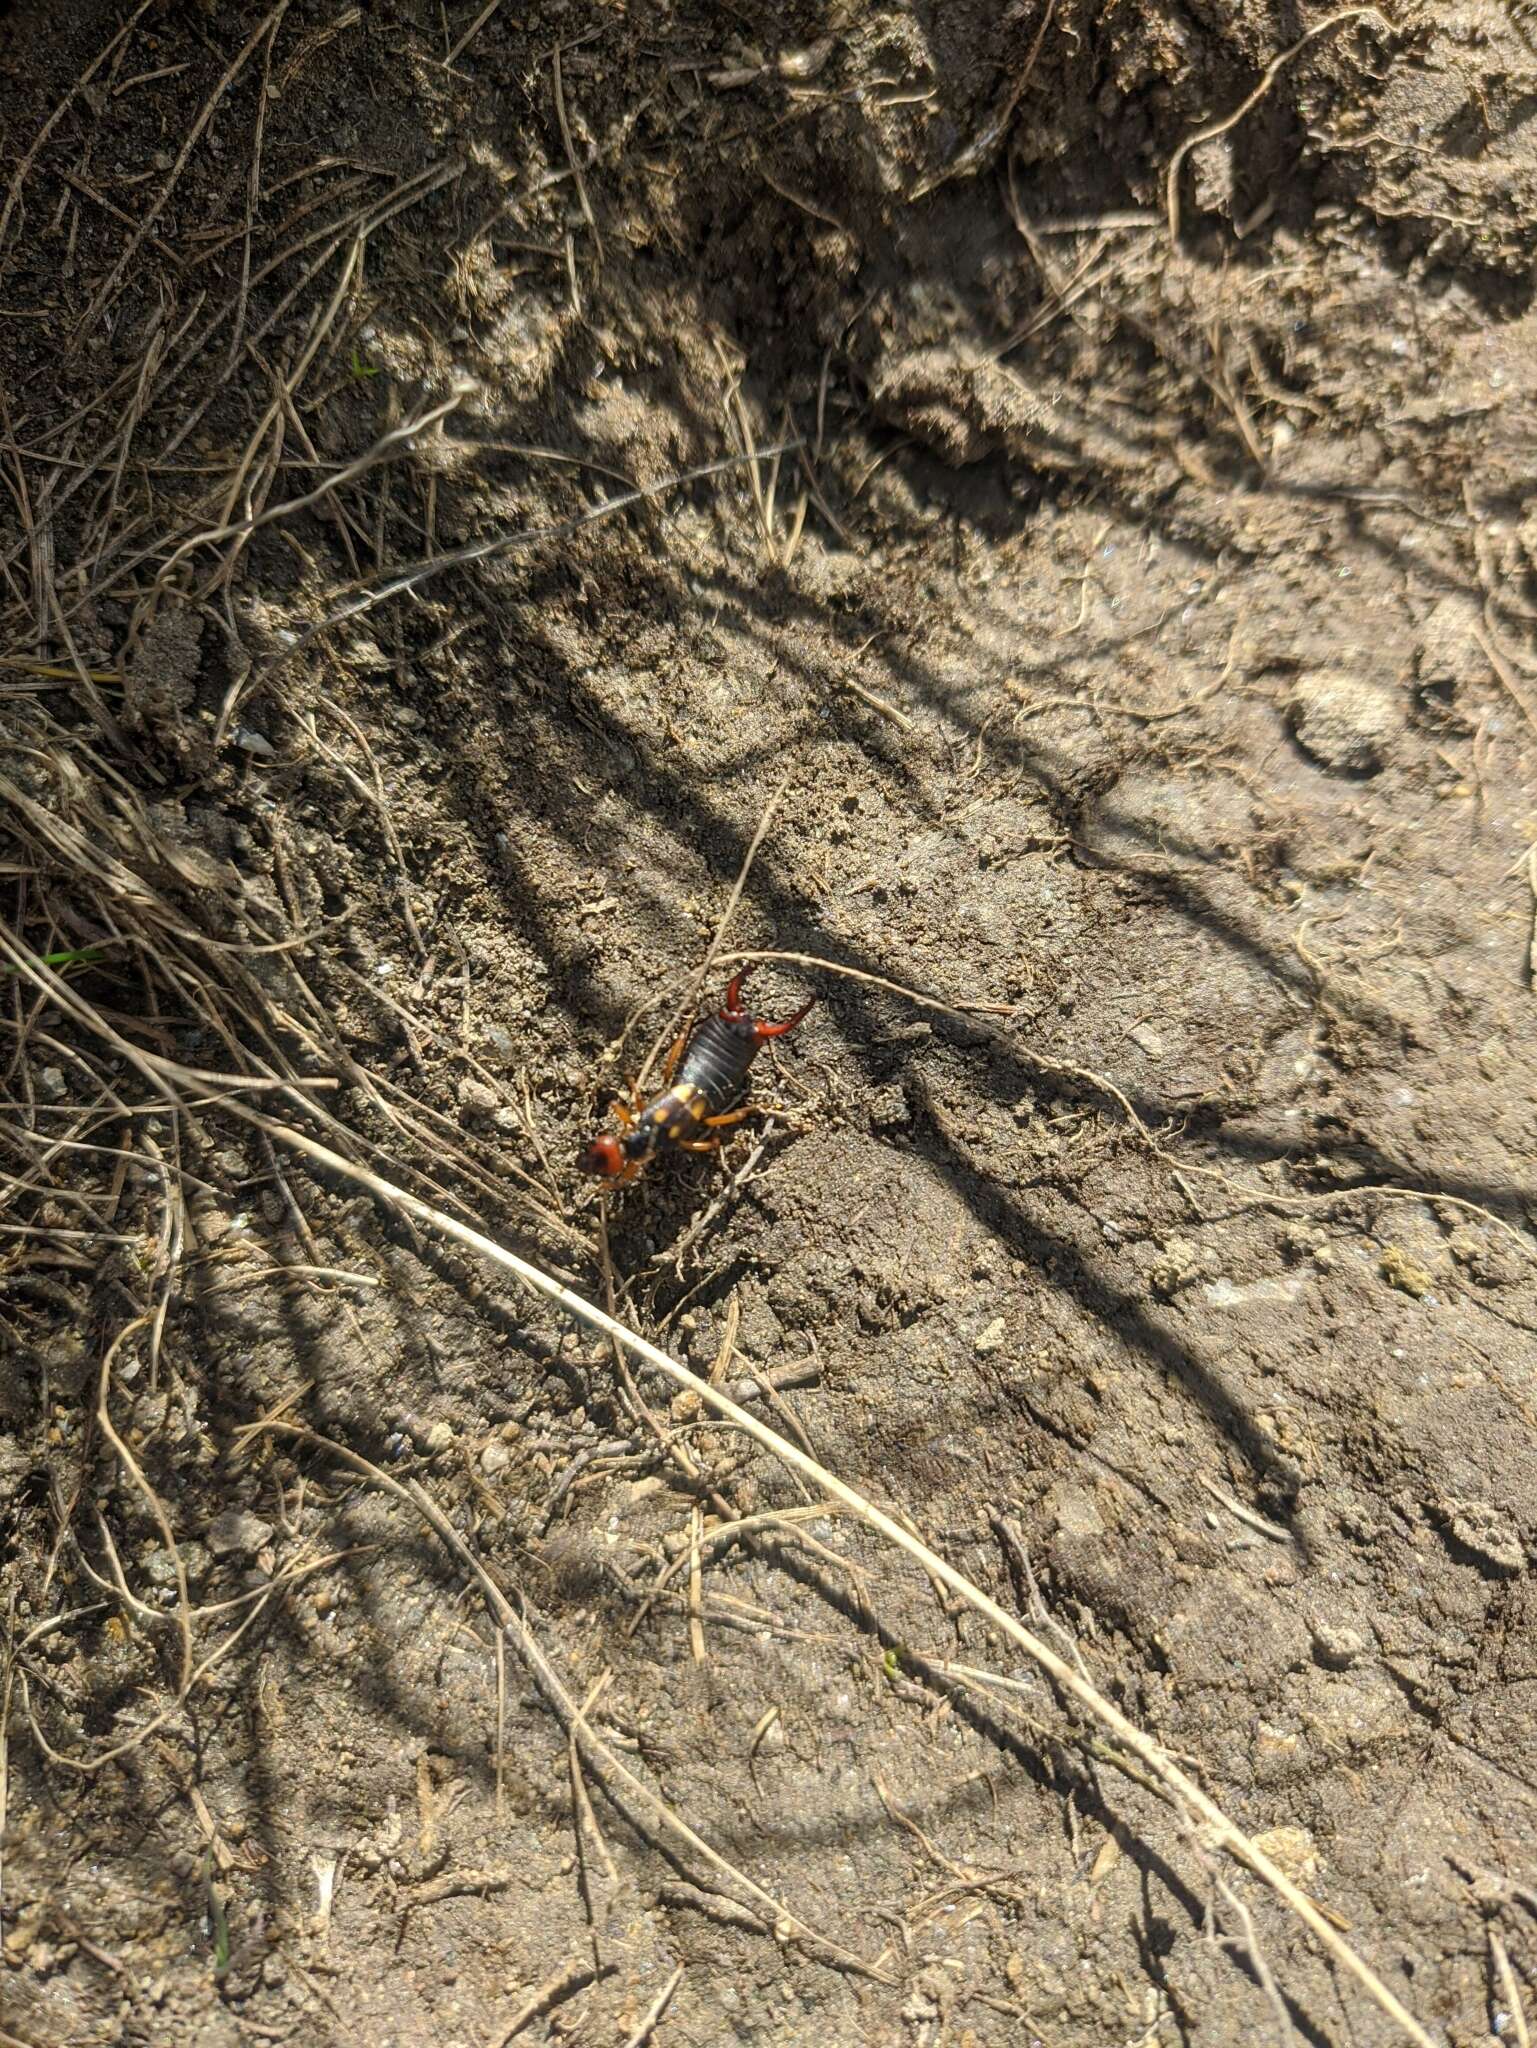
(896, 988)
(685, 1009)
(156, 1506)
(620, 1782)
(1176, 1784)
(1268, 77)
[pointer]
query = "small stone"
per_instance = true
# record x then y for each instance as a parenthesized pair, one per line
(1487, 1260)
(1178, 1263)
(1485, 1531)
(51, 1082)
(1213, 175)
(991, 1339)
(160, 1568)
(476, 1099)
(495, 1458)
(1450, 656)
(1343, 723)
(1336, 1648)
(1303, 1240)
(1223, 1293)
(1150, 1040)
(237, 1533)
(1292, 1851)
(438, 1436)
(1406, 1274)
(889, 1107)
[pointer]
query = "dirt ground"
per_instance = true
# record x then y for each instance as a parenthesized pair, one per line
(407, 629)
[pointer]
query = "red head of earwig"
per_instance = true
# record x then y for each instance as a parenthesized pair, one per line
(604, 1157)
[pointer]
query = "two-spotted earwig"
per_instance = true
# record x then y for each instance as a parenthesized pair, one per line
(704, 1076)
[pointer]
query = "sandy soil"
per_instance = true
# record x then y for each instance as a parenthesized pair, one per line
(1136, 639)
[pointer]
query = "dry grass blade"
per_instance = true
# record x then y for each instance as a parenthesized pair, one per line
(633, 1798)
(570, 148)
(367, 593)
(654, 2011)
(40, 140)
(6, 1684)
(701, 973)
(1175, 1782)
(268, 26)
(389, 444)
(815, 963)
(1510, 1990)
(980, 148)
(471, 32)
(1268, 77)
(573, 1976)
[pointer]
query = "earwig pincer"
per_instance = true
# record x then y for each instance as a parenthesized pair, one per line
(703, 1077)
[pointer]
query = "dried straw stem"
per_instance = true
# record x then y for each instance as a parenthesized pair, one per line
(1177, 1785)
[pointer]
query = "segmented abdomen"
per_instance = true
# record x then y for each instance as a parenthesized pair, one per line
(716, 1059)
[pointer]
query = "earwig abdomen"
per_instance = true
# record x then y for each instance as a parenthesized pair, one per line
(717, 1057)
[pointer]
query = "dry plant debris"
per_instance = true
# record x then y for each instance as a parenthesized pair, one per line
(1040, 498)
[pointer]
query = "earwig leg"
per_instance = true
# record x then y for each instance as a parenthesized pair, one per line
(697, 1144)
(670, 1064)
(626, 1116)
(732, 1116)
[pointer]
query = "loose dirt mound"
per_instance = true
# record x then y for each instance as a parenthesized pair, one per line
(1062, 474)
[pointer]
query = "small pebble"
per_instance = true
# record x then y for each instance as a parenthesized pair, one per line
(237, 1533)
(1336, 1648)
(476, 1099)
(1343, 723)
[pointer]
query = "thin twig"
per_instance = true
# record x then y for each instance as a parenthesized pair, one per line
(1267, 79)
(573, 1976)
(576, 170)
(685, 1009)
(1177, 1784)
(268, 26)
(1248, 1942)
(1510, 1990)
(90, 71)
(813, 962)
(1483, 633)
(656, 2008)
(399, 437)
(981, 146)
(629, 1794)
(472, 31)
(366, 593)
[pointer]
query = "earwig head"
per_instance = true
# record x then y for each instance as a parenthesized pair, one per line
(603, 1157)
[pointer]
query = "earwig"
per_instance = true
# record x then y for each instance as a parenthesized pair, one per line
(704, 1076)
